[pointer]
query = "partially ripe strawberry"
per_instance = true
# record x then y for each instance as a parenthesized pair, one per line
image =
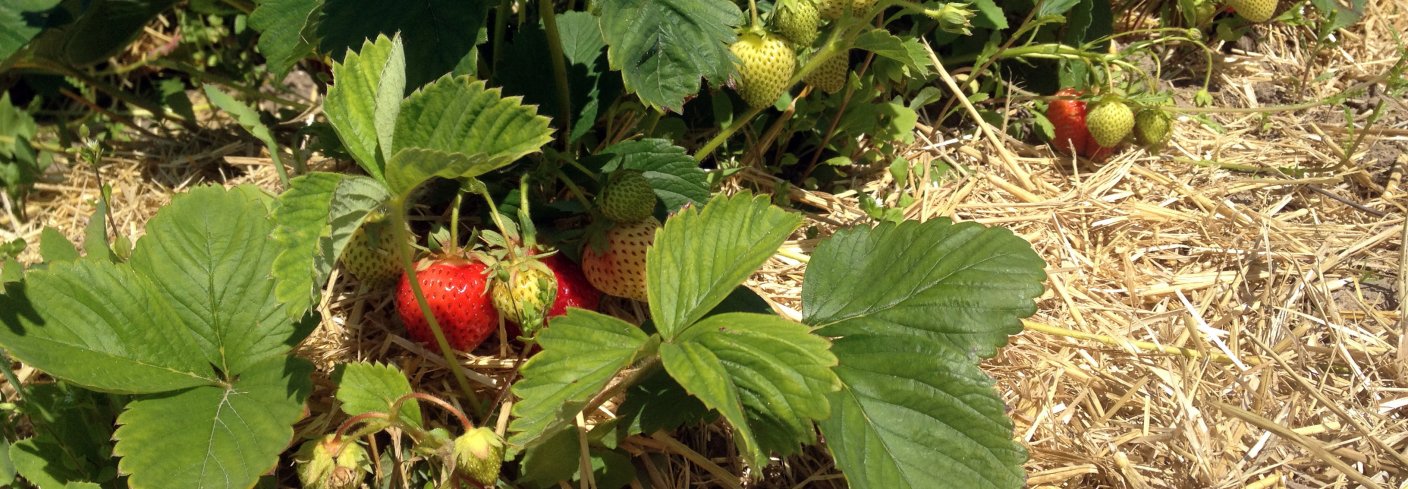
(1109, 122)
(573, 289)
(370, 255)
(457, 292)
(523, 291)
(619, 267)
(478, 455)
(1253, 10)
(627, 197)
(830, 76)
(1068, 121)
(331, 463)
(765, 63)
(798, 21)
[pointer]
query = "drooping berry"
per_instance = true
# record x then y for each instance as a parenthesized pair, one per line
(765, 63)
(618, 268)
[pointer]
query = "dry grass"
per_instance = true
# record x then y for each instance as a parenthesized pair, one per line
(1213, 318)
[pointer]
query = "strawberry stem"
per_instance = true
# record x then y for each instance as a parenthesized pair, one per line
(455, 219)
(403, 249)
(559, 69)
(396, 407)
(753, 12)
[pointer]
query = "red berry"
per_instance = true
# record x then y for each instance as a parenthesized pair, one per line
(1069, 129)
(573, 290)
(456, 291)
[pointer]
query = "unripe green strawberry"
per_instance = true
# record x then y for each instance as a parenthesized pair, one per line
(797, 20)
(523, 292)
(370, 255)
(618, 267)
(765, 64)
(831, 76)
(628, 197)
(329, 463)
(1109, 122)
(1253, 10)
(1152, 127)
(831, 9)
(478, 455)
(860, 7)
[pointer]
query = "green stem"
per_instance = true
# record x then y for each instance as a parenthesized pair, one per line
(500, 26)
(574, 189)
(396, 407)
(10, 377)
(455, 218)
(403, 241)
(753, 13)
(559, 69)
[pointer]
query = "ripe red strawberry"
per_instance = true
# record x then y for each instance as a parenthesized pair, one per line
(1068, 120)
(765, 63)
(1110, 122)
(573, 289)
(1253, 10)
(456, 290)
(627, 197)
(619, 267)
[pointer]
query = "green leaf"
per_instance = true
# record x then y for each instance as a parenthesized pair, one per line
(657, 403)
(914, 411)
(95, 234)
(582, 351)
(963, 284)
(438, 33)
(316, 218)
(214, 436)
(912, 392)
(7, 464)
(214, 268)
(98, 29)
(768, 376)
(557, 459)
(469, 128)
(389, 94)
(55, 248)
(100, 325)
(73, 431)
(460, 115)
(366, 387)
(990, 15)
(663, 47)
(287, 31)
(20, 21)
(673, 173)
(700, 256)
(41, 462)
(351, 102)
(248, 119)
(907, 51)
(521, 71)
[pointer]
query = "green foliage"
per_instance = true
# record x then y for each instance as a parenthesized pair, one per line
(191, 326)
(20, 21)
(673, 174)
(907, 350)
(372, 387)
(439, 34)
(20, 163)
(80, 33)
(72, 436)
(316, 218)
(663, 47)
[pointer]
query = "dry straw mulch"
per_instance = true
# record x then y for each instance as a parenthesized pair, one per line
(1214, 316)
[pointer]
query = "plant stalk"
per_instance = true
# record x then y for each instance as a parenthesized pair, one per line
(559, 70)
(403, 247)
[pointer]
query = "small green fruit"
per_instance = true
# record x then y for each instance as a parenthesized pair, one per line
(798, 21)
(478, 455)
(370, 255)
(1152, 128)
(1257, 11)
(766, 62)
(1109, 122)
(627, 197)
(830, 77)
(327, 463)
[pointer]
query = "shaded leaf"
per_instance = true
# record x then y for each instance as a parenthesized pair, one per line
(20, 21)
(437, 33)
(664, 47)
(672, 173)
(287, 31)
